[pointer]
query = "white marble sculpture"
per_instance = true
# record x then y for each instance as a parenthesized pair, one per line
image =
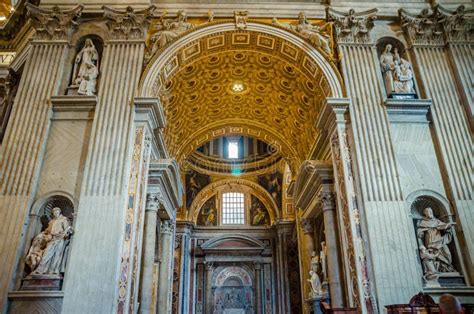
(434, 237)
(47, 252)
(322, 258)
(397, 72)
(168, 30)
(86, 69)
(316, 289)
(314, 261)
(309, 31)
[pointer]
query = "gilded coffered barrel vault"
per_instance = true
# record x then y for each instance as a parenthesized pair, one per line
(236, 157)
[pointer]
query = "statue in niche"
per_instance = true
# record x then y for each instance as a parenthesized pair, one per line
(309, 31)
(430, 272)
(168, 30)
(434, 237)
(48, 252)
(315, 284)
(397, 72)
(86, 69)
(322, 258)
(314, 261)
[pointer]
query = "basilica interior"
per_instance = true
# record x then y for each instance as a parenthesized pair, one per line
(236, 157)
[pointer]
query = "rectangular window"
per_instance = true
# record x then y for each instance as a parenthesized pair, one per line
(233, 149)
(233, 208)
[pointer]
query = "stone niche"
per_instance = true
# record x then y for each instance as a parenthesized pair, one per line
(437, 244)
(396, 69)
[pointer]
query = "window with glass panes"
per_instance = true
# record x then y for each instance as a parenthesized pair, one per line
(233, 208)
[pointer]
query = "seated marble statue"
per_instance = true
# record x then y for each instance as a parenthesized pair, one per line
(315, 283)
(434, 236)
(397, 72)
(86, 69)
(54, 239)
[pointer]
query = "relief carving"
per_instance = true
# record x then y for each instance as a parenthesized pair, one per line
(352, 27)
(54, 24)
(240, 19)
(315, 34)
(128, 24)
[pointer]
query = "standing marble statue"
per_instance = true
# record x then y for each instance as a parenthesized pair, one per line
(322, 258)
(47, 254)
(315, 283)
(311, 32)
(433, 238)
(397, 72)
(314, 261)
(86, 69)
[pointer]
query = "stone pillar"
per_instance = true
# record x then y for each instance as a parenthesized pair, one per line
(23, 145)
(333, 261)
(166, 267)
(148, 253)
(209, 272)
(258, 288)
(283, 231)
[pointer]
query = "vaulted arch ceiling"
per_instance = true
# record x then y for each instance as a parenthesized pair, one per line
(284, 90)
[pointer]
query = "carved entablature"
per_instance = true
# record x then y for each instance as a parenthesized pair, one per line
(422, 29)
(458, 25)
(128, 24)
(54, 24)
(352, 27)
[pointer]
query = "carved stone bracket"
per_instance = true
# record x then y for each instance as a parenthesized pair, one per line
(54, 24)
(352, 27)
(458, 25)
(307, 225)
(424, 29)
(128, 24)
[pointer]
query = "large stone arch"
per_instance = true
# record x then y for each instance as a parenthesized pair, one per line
(308, 59)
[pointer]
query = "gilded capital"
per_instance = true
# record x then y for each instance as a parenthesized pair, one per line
(128, 24)
(54, 24)
(352, 27)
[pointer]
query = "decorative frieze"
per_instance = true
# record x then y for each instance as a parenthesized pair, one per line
(352, 27)
(458, 24)
(424, 29)
(54, 24)
(128, 24)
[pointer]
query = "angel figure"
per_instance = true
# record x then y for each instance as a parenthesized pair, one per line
(309, 31)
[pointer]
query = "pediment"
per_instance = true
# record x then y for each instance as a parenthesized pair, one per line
(233, 243)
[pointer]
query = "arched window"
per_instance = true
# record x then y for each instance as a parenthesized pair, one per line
(233, 209)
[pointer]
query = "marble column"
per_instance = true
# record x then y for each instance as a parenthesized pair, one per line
(209, 272)
(23, 145)
(283, 231)
(258, 288)
(333, 261)
(148, 253)
(166, 267)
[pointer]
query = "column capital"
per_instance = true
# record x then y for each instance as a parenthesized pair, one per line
(128, 24)
(457, 24)
(307, 225)
(327, 200)
(54, 24)
(167, 226)
(153, 201)
(352, 27)
(423, 29)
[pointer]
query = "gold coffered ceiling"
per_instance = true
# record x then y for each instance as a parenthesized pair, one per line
(283, 91)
